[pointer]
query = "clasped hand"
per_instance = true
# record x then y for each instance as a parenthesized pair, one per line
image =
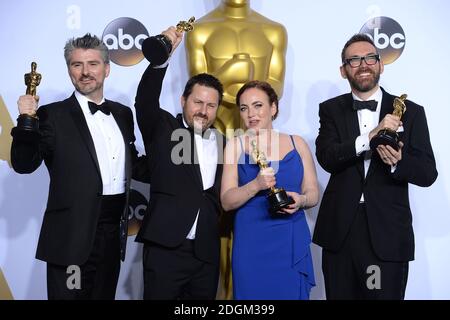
(388, 154)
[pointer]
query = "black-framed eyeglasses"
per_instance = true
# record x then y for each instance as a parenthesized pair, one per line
(356, 61)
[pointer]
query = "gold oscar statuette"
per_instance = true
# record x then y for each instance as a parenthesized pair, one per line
(186, 26)
(277, 197)
(32, 80)
(28, 125)
(386, 136)
(157, 49)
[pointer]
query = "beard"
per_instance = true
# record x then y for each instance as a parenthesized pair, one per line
(367, 84)
(199, 122)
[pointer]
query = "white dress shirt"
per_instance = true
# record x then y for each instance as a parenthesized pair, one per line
(109, 147)
(207, 156)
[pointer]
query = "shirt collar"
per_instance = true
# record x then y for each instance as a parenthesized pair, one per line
(377, 95)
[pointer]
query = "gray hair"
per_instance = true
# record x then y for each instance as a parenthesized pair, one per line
(87, 41)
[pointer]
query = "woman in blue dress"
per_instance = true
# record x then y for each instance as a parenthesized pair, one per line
(271, 257)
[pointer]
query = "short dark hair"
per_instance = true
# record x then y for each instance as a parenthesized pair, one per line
(87, 41)
(359, 37)
(261, 85)
(203, 79)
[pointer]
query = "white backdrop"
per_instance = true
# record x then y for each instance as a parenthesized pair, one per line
(37, 31)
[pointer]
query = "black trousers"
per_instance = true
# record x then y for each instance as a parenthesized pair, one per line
(177, 274)
(355, 272)
(98, 276)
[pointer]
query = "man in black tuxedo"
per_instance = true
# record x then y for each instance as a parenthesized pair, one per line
(180, 227)
(87, 144)
(364, 221)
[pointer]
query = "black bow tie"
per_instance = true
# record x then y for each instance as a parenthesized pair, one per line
(96, 107)
(370, 104)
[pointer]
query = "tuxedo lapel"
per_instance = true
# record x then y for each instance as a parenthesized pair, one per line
(194, 167)
(80, 122)
(195, 162)
(352, 123)
(386, 107)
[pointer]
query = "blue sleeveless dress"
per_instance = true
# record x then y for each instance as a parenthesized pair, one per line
(271, 257)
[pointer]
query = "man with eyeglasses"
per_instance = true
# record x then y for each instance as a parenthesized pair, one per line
(364, 221)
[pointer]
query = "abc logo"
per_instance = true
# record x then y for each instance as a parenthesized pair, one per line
(137, 205)
(124, 37)
(388, 36)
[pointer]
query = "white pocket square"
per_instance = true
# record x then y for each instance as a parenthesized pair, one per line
(400, 129)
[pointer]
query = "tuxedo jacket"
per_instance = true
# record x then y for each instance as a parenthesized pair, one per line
(385, 193)
(75, 192)
(176, 188)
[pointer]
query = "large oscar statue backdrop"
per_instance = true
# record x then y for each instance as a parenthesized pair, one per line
(236, 44)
